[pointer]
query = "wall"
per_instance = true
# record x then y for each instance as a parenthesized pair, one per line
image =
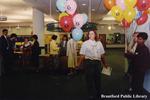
(103, 29)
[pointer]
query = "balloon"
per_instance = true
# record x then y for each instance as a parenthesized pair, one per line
(70, 7)
(129, 14)
(66, 23)
(130, 3)
(125, 23)
(62, 15)
(121, 4)
(77, 34)
(117, 13)
(142, 19)
(143, 5)
(85, 18)
(78, 20)
(148, 11)
(60, 4)
(109, 4)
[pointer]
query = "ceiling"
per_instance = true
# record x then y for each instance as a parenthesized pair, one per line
(20, 11)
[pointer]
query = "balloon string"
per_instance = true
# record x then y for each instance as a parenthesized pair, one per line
(50, 8)
(126, 42)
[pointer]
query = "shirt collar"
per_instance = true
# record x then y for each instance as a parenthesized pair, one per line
(92, 41)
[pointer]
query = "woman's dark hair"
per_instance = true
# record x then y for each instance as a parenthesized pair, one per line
(87, 37)
(35, 37)
(13, 35)
(54, 37)
(65, 36)
(71, 35)
(143, 35)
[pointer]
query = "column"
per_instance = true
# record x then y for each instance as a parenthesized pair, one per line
(38, 25)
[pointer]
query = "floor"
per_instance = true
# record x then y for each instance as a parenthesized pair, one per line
(26, 84)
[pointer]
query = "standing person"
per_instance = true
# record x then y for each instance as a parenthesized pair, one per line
(54, 51)
(63, 46)
(5, 51)
(35, 49)
(62, 53)
(92, 52)
(131, 49)
(72, 54)
(140, 62)
(26, 48)
(13, 40)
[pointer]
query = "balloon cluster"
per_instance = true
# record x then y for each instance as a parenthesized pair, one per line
(69, 20)
(126, 11)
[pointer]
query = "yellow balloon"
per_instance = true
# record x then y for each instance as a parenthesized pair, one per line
(129, 14)
(62, 15)
(117, 12)
(130, 3)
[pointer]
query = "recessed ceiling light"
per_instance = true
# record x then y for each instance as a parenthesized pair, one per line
(109, 27)
(93, 9)
(83, 4)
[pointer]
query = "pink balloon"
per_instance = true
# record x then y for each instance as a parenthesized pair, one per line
(78, 20)
(121, 4)
(70, 7)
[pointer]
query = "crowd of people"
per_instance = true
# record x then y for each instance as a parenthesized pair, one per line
(30, 51)
(92, 57)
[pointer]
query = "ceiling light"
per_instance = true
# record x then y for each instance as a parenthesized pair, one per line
(93, 9)
(109, 27)
(83, 4)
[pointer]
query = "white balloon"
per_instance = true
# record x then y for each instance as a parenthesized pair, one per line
(70, 7)
(85, 18)
(60, 4)
(78, 20)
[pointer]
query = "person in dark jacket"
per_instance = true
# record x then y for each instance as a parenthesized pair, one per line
(35, 52)
(63, 46)
(5, 51)
(12, 41)
(140, 63)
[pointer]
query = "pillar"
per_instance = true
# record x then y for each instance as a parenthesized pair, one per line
(38, 25)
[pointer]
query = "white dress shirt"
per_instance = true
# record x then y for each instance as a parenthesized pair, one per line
(92, 49)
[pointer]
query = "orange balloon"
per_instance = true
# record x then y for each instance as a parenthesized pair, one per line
(109, 4)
